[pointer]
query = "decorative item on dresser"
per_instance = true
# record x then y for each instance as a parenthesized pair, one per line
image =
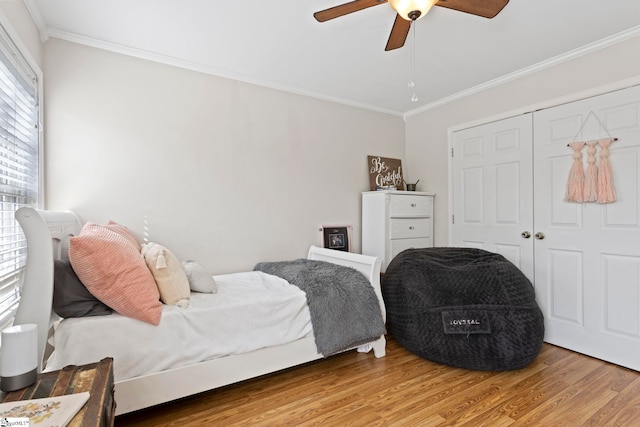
(393, 221)
(385, 173)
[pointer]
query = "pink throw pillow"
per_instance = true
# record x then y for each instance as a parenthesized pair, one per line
(114, 271)
(124, 232)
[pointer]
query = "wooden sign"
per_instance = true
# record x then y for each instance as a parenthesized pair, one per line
(384, 173)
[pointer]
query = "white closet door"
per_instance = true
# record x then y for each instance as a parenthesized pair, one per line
(492, 189)
(587, 267)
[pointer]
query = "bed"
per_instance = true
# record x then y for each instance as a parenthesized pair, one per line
(48, 234)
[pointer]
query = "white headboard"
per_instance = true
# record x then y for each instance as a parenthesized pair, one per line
(47, 234)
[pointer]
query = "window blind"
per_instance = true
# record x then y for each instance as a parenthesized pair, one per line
(19, 166)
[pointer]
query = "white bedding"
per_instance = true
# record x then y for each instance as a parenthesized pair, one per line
(251, 310)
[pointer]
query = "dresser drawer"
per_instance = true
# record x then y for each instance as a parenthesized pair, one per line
(397, 246)
(393, 221)
(410, 205)
(408, 228)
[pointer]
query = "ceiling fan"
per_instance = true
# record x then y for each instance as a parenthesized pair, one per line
(411, 10)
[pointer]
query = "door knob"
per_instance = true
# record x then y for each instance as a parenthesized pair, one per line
(525, 234)
(539, 235)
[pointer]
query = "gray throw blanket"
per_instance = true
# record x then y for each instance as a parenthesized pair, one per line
(344, 309)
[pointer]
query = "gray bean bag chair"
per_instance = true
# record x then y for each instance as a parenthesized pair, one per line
(463, 307)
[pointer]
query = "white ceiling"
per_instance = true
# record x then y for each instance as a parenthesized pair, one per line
(279, 44)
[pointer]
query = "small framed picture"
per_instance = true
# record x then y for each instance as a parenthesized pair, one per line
(336, 237)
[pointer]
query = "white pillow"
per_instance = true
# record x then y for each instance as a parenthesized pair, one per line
(199, 279)
(168, 273)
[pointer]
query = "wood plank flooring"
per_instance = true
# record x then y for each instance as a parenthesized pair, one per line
(560, 388)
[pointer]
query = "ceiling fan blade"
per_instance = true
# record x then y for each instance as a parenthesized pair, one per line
(484, 8)
(345, 9)
(398, 34)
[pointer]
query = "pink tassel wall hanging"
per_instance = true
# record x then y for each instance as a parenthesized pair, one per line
(596, 185)
(606, 189)
(575, 183)
(591, 174)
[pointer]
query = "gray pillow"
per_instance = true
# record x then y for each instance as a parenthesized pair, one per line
(70, 297)
(199, 279)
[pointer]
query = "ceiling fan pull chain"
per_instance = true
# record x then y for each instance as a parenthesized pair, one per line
(412, 62)
(412, 80)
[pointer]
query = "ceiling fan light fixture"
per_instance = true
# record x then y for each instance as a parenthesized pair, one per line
(412, 10)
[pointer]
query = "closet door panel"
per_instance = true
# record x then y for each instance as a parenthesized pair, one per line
(472, 196)
(492, 189)
(587, 266)
(507, 181)
(566, 285)
(622, 296)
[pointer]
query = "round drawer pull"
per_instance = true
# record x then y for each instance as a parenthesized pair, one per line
(413, 205)
(411, 227)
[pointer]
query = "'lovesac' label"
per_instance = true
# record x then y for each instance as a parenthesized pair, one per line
(466, 322)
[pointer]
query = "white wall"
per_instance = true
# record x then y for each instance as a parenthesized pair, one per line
(220, 171)
(230, 173)
(15, 15)
(427, 132)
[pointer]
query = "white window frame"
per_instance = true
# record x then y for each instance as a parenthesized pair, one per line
(20, 59)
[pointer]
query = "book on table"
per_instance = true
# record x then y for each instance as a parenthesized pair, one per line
(46, 412)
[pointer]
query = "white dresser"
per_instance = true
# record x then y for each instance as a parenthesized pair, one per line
(393, 221)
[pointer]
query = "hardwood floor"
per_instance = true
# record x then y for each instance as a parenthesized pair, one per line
(560, 388)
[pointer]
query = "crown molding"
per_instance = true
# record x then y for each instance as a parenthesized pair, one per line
(551, 62)
(48, 32)
(202, 68)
